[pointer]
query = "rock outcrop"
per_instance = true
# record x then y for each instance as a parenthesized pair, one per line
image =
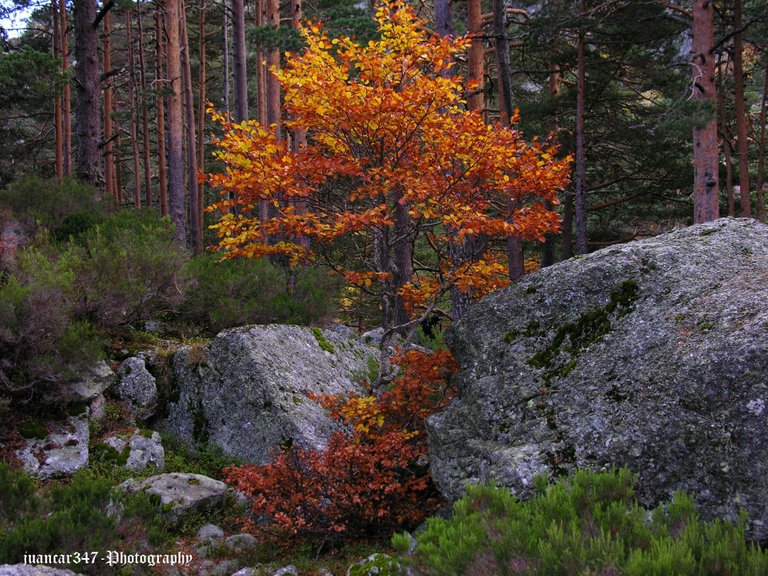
(652, 355)
(138, 387)
(62, 452)
(182, 494)
(247, 392)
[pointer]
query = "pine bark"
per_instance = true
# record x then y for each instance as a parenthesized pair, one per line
(725, 138)
(202, 104)
(741, 113)
(706, 193)
(88, 91)
(132, 99)
(580, 199)
(240, 62)
(57, 101)
(144, 110)
(476, 56)
(273, 63)
(176, 196)
(162, 173)
(109, 158)
(761, 153)
(190, 117)
(66, 111)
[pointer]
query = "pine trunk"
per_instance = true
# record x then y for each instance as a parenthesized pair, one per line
(580, 199)
(162, 173)
(66, 111)
(725, 138)
(761, 153)
(189, 107)
(57, 101)
(132, 98)
(202, 103)
(240, 62)
(176, 196)
(476, 56)
(109, 158)
(706, 193)
(88, 90)
(144, 110)
(741, 113)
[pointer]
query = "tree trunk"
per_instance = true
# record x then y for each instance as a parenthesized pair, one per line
(176, 197)
(476, 56)
(555, 79)
(109, 158)
(201, 100)
(226, 56)
(741, 113)
(162, 174)
(189, 106)
(706, 193)
(503, 67)
(581, 164)
(443, 20)
(761, 153)
(144, 110)
(725, 137)
(66, 97)
(88, 90)
(132, 98)
(299, 135)
(273, 62)
(240, 61)
(57, 101)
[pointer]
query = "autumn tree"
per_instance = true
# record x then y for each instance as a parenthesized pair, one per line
(394, 159)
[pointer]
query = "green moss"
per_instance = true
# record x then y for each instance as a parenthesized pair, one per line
(105, 454)
(146, 433)
(33, 429)
(200, 424)
(574, 337)
(511, 336)
(531, 289)
(321, 340)
(706, 325)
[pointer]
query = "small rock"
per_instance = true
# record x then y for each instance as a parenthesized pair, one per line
(289, 570)
(376, 564)
(242, 542)
(245, 572)
(90, 383)
(146, 451)
(138, 387)
(182, 494)
(63, 452)
(98, 408)
(225, 568)
(209, 532)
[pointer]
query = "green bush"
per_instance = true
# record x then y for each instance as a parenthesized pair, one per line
(42, 342)
(127, 269)
(63, 207)
(17, 495)
(72, 517)
(588, 524)
(237, 292)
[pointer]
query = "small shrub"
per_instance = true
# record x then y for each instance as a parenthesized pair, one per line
(364, 484)
(54, 204)
(228, 293)
(587, 524)
(42, 342)
(17, 496)
(127, 270)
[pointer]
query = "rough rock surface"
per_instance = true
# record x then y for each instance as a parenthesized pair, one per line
(145, 449)
(651, 355)
(64, 451)
(182, 494)
(91, 383)
(246, 392)
(138, 387)
(29, 570)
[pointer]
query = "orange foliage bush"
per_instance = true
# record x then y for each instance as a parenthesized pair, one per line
(370, 480)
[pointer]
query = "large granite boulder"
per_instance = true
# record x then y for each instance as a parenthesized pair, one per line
(247, 391)
(651, 355)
